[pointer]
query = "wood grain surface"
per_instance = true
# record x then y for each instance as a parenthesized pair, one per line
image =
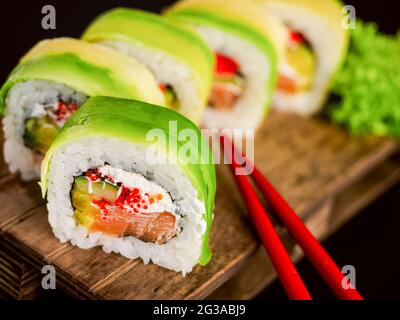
(308, 160)
(18, 280)
(322, 222)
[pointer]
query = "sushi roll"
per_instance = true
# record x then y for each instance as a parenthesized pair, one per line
(316, 45)
(246, 43)
(180, 60)
(116, 176)
(50, 83)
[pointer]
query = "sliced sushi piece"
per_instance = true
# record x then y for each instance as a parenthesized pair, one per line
(109, 183)
(246, 43)
(316, 45)
(50, 83)
(180, 60)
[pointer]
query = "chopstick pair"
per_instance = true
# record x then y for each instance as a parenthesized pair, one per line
(286, 271)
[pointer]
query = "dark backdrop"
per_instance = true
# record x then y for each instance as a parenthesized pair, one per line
(20, 21)
(368, 241)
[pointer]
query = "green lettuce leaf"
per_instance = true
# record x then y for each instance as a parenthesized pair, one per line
(368, 85)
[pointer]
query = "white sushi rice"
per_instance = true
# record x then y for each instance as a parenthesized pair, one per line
(247, 113)
(180, 253)
(167, 70)
(319, 34)
(26, 100)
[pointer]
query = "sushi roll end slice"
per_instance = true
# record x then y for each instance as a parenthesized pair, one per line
(316, 45)
(109, 183)
(180, 60)
(246, 43)
(51, 82)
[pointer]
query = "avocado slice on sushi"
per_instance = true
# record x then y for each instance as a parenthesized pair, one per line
(100, 190)
(39, 133)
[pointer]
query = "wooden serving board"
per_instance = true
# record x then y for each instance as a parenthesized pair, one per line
(325, 174)
(18, 279)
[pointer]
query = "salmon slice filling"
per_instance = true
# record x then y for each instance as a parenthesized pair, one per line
(121, 204)
(228, 83)
(297, 73)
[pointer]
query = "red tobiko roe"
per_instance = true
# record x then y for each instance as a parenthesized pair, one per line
(131, 198)
(92, 174)
(64, 110)
(296, 37)
(102, 204)
(121, 198)
(127, 197)
(225, 65)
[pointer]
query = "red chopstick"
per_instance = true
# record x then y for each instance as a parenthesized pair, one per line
(318, 256)
(283, 265)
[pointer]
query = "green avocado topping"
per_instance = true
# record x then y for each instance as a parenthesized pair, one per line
(39, 133)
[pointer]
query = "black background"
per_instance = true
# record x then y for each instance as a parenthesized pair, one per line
(369, 242)
(20, 21)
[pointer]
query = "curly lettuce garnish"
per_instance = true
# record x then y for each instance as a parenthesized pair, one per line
(368, 85)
